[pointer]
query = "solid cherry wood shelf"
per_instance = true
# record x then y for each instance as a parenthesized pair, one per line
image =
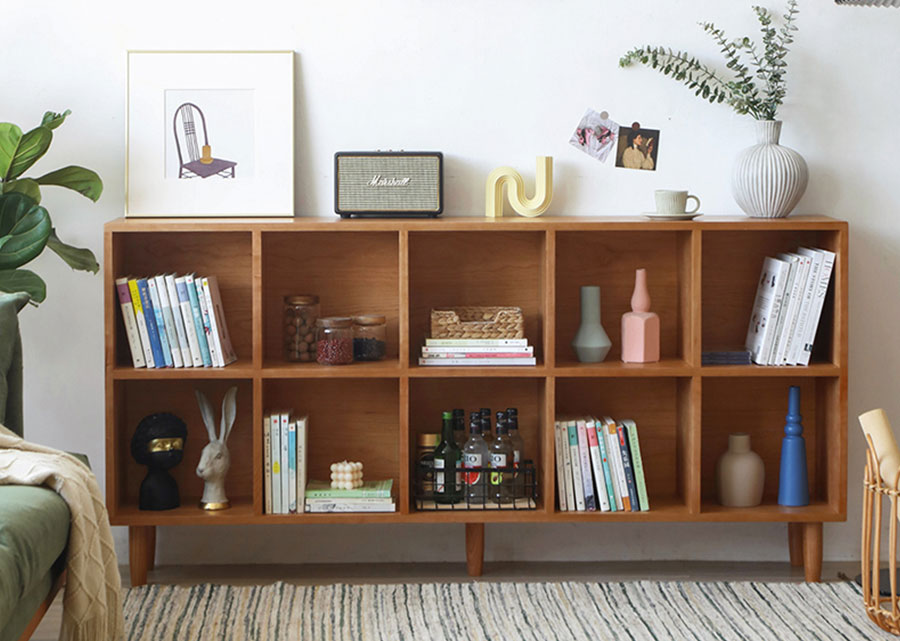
(702, 278)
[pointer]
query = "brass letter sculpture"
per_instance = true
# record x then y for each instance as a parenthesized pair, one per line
(529, 207)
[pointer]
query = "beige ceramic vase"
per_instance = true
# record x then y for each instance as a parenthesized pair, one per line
(740, 473)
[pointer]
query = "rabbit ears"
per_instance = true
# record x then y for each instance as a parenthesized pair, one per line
(229, 412)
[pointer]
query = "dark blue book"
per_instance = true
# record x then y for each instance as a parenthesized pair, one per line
(629, 467)
(150, 317)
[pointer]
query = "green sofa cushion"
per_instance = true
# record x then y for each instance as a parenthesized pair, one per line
(34, 529)
(27, 606)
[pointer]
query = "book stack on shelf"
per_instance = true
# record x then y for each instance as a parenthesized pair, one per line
(788, 305)
(175, 321)
(599, 466)
(483, 351)
(371, 496)
(284, 454)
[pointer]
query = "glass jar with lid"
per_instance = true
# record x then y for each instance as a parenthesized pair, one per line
(369, 342)
(334, 344)
(300, 315)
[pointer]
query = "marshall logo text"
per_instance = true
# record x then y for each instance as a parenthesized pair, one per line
(380, 181)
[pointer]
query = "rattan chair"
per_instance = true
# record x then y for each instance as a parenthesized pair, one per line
(199, 163)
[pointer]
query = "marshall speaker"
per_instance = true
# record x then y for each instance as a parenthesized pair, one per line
(388, 184)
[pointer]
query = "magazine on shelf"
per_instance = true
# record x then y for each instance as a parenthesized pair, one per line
(818, 301)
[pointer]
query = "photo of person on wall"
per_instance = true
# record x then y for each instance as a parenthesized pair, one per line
(637, 148)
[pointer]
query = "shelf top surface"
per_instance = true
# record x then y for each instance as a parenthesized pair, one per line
(474, 223)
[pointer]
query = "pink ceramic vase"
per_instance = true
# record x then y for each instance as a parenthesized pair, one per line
(640, 326)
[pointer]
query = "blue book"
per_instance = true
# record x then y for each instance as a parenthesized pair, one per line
(292, 468)
(607, 476)
(626, 463)
(150, 318)
(198, 320)
(160, 322)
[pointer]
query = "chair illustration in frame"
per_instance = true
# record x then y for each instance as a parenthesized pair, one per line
(199, 159)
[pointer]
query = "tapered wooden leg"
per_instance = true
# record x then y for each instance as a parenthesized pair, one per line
(812, 552)
(795, 543)
(475, 548)
(140, 556)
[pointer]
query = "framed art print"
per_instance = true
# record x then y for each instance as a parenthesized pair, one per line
(210, 133)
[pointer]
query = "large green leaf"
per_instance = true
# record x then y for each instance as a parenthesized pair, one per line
(24, 229)
(53, 120)
(77, 258)
(84, 181)
(25, 186)
(23, 280)
(33, 145)
(10, 135)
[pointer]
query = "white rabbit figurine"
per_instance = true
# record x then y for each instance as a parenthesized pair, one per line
(215, 459)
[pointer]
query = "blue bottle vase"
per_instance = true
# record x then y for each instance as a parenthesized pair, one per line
(793, 481)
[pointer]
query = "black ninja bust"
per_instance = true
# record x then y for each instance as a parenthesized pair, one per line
(158, 443)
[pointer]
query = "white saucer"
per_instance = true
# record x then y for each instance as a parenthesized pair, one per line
(655, 216)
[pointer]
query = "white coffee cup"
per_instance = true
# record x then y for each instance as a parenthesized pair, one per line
(671, 202)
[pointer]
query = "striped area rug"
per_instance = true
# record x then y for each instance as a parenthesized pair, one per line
(499, 611)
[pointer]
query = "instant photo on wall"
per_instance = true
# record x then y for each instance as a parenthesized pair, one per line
(637, 148)
(596, 135)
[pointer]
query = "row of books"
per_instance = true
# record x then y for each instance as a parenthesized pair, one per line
(175, 321)
(285, 487)
(788, 305)
(477, 351)
(599, 466)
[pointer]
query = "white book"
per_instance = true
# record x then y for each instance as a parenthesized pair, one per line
(217, 320)
(587, 478)
(267, 463)
(324, 508)
(162, 291)
(806, 305)
(187, 315)
(597, 465)
(475, 349)
(206, 310)
(160, 323)
(178, 318)
(803, 265)
(575, 456)
(473, 342)
(131, 329)
(815, 313)
(778, 343)
(302, 440)
(424, 361)
(616, 469)
(567, 467)
(292, 467)
(275, 419)
(284, 419)
(560, 468)
(769, 293)
(375, 500)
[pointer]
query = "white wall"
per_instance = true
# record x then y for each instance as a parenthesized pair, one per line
(489, 83)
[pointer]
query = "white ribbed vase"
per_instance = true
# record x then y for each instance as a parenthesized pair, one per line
(768, 180)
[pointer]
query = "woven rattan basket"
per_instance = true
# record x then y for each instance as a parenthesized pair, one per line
(477, 322)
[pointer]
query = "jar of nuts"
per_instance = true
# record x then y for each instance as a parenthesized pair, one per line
(334, 345)
(369, 337)
(300, 316)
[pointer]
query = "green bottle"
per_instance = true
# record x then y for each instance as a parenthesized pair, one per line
(447, 457)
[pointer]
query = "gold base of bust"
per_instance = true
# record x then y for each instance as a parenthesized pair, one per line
(215, 506)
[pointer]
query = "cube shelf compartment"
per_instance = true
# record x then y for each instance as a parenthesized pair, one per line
(702, 278)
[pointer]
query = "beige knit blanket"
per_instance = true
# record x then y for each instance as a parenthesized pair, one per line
(92, 605)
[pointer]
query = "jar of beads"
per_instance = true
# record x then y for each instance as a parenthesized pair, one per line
(334, 345)
(369, 342)
(300, 315)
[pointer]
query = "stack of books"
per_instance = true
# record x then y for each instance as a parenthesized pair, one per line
(599, 466)
(788, 305)
(372, 496)
(175, 321)
(481, 351)
(284, 461)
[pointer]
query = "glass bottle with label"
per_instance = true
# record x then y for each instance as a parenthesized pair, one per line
(486, 425)
(447, 457)
(512, 420)
(459, 427)
(501, 449)
(475, 455)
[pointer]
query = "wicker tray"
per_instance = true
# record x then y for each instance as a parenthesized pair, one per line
(477, 322)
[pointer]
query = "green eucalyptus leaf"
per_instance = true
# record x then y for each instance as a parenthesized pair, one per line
(53, 120)
(84, 181)
(77, 258)
(25, 186)
(23, 280)
(24, 229)
(33, 145)
(10, 135)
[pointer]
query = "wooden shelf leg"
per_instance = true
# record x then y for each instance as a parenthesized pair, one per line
(812, 552)
(141, 545)
(475, 548)
(795, 543)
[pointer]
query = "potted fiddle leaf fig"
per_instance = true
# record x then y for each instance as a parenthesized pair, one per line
(25, 227)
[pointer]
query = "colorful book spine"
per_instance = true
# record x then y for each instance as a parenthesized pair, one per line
(567, 471)
(376, 501)
(284, 419)
(168, 319)
(267, 463)
(197, 315)
(187, 314)
(131, 329)
(500, 362)
(560, 468)
(152, 330)
(584, 455)
(475, 354)
(369, 490)
(337, 506)
(528, 350)
(302, 445)
(211, 341)
(626, 466)
(607, 477)
(815, 314)
(596, 464)
(211, 287)
(178, 319)
(292, 467)
(141, 321)
(575, 455)
(615, 461)
(160, 322)
(276, 463)
(637, 463)
(473, 342)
